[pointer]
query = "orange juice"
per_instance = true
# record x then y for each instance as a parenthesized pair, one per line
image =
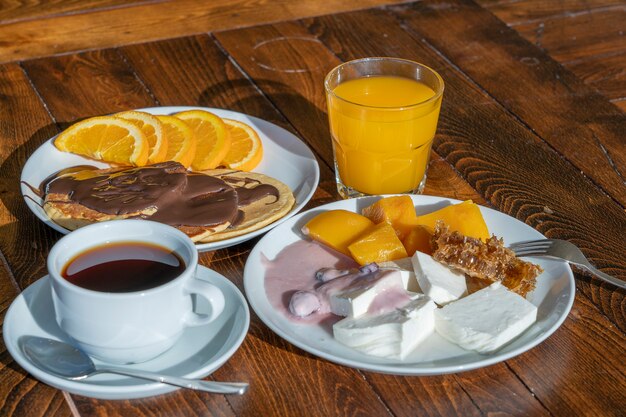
(382, 129)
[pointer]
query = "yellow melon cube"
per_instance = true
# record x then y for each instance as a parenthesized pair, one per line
(378, 244)
(464, 218)
(418, 239)
(398, 211)
(337, 228)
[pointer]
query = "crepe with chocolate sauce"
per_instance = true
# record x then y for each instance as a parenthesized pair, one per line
(207, 206)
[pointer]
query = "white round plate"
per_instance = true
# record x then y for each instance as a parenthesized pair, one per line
(200, 351)
(553, 296)
(285, 157)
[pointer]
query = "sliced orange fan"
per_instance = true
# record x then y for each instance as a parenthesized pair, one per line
(181, 141)
(106, 138)
(153, 129)
(246, 149)
(212, 138)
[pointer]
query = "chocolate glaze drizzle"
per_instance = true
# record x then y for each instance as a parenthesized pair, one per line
(180, 198)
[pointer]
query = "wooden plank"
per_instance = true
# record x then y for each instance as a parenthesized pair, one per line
(621, 103)
(21, 130)
(607, 74)
(572, 118)
(582, 359)
(156, 20)
(578, 36)
(11, 11)
(25, 240)
(523, 11)
(84, 85)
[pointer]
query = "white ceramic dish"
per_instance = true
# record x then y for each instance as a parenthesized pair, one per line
(285, 157)
(554, 297)
(200, 351)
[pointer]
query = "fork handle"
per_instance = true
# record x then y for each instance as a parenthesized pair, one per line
(605, 277)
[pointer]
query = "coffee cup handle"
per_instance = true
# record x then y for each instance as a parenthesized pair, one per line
(209, 292)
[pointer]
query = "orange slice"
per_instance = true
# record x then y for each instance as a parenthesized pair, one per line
(106, 138)
(181, 141)
(212, 138)
(246, 149)
(153, 129)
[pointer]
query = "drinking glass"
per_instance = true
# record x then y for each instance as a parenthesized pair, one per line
(383, 115)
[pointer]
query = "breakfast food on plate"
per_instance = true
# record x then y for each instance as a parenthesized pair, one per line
(488, 260)
(393, 334)
(196, 138)
(436, 280)
(485, 320)
(213, 140)
(377, 244)
(181, 140)
(390, 304)
(106, 138)
(246, 149)
(152, 128)
(208, 206)
(337, 228)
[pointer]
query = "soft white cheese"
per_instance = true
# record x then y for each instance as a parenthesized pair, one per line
(405, 266)
(485, 320)
(356, 298)
(390, 335)
(437, 280)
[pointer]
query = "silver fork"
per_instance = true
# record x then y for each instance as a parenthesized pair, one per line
(562, 249)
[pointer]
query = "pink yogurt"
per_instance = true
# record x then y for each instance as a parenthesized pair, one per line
(293, 269)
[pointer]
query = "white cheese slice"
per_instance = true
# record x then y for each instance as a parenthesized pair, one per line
(486, 319)
(355, 299)
(405, 266)
(390, 335)
(437, 280)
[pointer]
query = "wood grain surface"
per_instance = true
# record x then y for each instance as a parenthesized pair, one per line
(530, 126)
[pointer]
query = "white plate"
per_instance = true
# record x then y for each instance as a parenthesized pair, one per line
(553, 296)
(200, 351)
(285, 157)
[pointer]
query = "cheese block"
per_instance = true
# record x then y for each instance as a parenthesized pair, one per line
(437, 280)
(389, 335)
(356, 298)
(405, 267)
(485, 320)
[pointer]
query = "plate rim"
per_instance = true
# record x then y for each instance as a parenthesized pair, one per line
(142, 388)
(400, 368)
(201, 247)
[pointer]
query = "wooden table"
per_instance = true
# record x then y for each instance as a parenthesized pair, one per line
(531, 125)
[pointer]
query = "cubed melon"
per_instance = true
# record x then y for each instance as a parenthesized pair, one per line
(337, 228)
(378, 244)
(464, 218)
(418, 239)
(398, 211)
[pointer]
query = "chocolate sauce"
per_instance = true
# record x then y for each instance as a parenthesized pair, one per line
(179, 198)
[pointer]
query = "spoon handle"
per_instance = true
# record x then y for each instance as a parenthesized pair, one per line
(196, 384)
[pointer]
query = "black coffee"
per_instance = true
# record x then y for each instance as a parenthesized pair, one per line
(123, 267)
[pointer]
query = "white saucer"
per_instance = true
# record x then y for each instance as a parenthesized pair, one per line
(200, 351)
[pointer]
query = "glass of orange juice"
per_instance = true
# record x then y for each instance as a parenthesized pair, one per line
(383, 115)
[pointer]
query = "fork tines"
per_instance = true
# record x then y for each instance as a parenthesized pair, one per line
(531, 247)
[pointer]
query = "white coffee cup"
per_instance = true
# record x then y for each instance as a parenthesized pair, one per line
(129, 327)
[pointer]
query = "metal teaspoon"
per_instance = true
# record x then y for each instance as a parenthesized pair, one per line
(67, 361)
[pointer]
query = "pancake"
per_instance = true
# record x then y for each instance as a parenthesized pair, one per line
(207, 206)
(258, 213)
